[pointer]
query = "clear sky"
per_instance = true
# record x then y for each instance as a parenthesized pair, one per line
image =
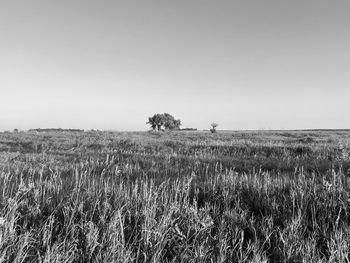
(245, 64)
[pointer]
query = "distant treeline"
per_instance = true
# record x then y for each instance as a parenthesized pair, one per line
(188, 129)
(55, 130)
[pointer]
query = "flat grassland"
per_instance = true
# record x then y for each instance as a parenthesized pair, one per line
(267, 196)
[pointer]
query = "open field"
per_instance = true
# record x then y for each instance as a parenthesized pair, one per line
(267, 196)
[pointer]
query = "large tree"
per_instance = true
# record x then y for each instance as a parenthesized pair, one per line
(164, 121)
(156, 121)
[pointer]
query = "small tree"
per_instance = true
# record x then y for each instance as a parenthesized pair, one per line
(170, 123)
(213, 127)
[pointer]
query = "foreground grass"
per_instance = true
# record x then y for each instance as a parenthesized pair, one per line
(181, 197)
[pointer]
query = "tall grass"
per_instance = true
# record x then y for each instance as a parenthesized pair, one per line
(135, 198)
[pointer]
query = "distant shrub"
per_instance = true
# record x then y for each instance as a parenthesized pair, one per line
(213, 127)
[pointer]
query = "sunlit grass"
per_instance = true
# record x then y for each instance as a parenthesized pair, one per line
(191, 197)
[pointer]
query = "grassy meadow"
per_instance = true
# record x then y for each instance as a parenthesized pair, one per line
(267, 196)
